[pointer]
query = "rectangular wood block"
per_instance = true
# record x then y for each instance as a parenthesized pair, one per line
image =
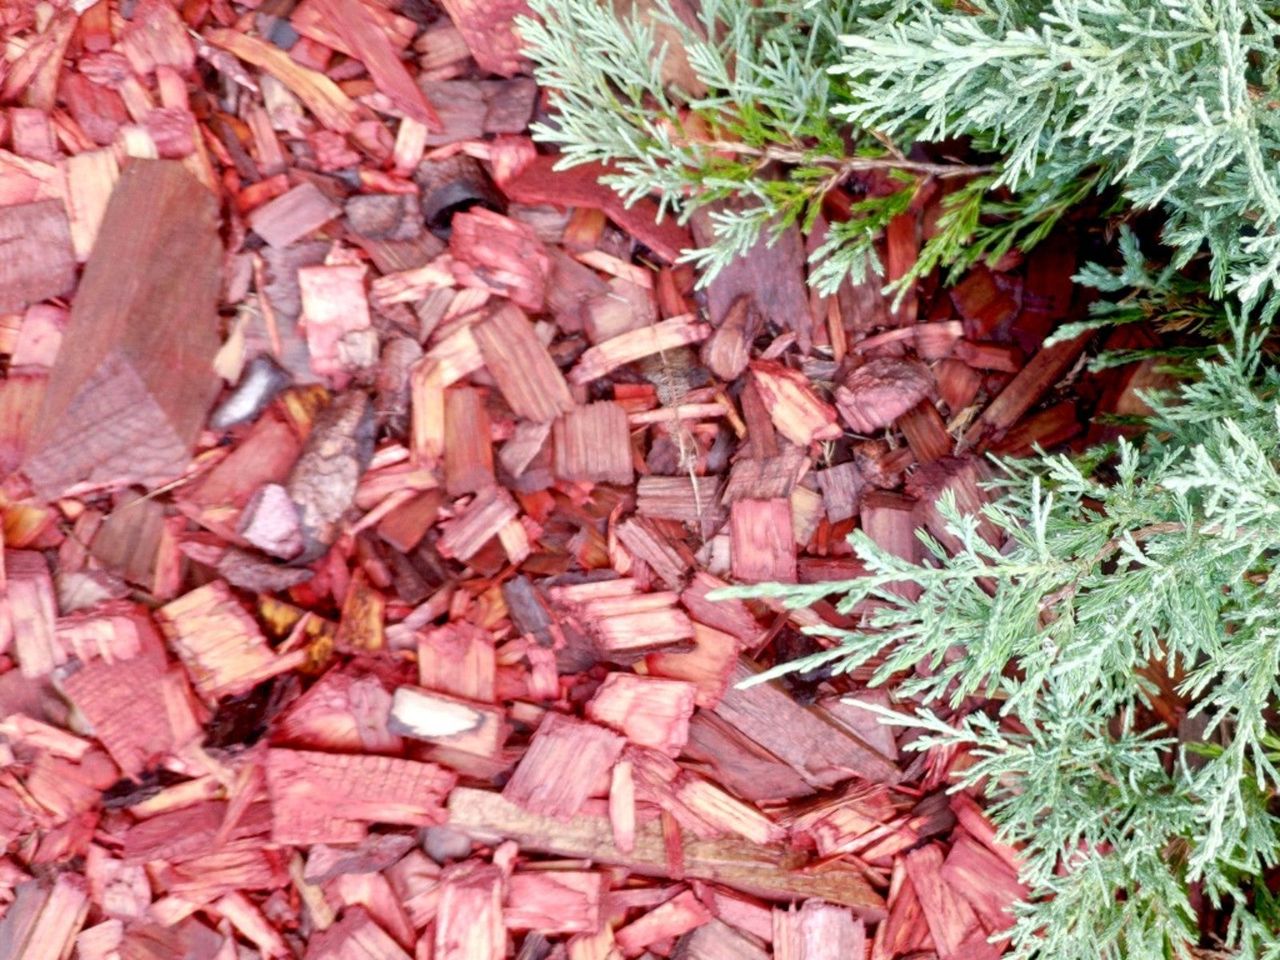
(134, 378)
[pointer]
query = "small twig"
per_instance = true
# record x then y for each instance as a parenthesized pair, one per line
(845, 165)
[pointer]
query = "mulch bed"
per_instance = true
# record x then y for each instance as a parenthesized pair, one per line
(364, 482)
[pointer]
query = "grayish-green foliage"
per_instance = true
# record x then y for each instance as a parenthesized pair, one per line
(1171, 102)
(1162, 554)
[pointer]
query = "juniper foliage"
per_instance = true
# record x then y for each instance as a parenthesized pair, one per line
(1169, 102)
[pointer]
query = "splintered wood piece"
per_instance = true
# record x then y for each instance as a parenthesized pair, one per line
(155, 36)
(626, 624)
(341, 711)
(458, 659)
(1045, 428)
(137, 709)
(368, 42)
(447, 721)
(727, 351)
(697, 805)
(20, 399)
(960, 477)
(478, 523)
(468, 450)
(976, 823)
(761, 870)
(762, 541)
(333, 108)
(42, 921)
(220, 643)
(38, 261)
(593, 444)
(334, 307)
(766, 478)
(637, 344)
(554, 901)
(1026, 389)
(580, 186)
(890, 520)
(469, 923)
(958, 383)
(984, 880)
(797, 411)
(841, 488)
(717, 940)
(877, 393)
(817, 931)
(291, 216)
(674, 918)
(730, 616)
(648, 544)
(707, 666)
(29, 606)
(925, 431)
(691, 500)
(331, 798)
(519, 363)
(647, 711)
(493, 252)
(951, 920)
(490, 34)
(134, 379)
(355, 937)
(904, 931)
(565, 759)
(806, 739)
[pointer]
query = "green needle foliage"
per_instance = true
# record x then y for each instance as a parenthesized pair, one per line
(1172, 104)
(1113, 570)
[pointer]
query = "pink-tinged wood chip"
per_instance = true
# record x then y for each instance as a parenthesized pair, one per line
(984, 880)
(905, 930)
(343, 712)
(39, 262)
(980, 826)
(674, 918)
(469, 925)
(554, 901)
(878, 392)
(119, 889)
(42, 921)
(625, 623)
(637, 344)
(140, 710)
(593, 444)
(817, 931)
(458, 659)
(40, 336)
(622, 806)
(31, 612)
(699, 805)
(796, 410)
(355, 937)
(291, 216)
(490, 33)
(951, 920)
(155, 36)
(565, 759)
(762, 541)
(647, 711)
(707, 666)
(478, 523)
(493, 252)
(220, 644)
(332, 798)
(334, 307)
(580, 186)
(355, 23)
(520, 364)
